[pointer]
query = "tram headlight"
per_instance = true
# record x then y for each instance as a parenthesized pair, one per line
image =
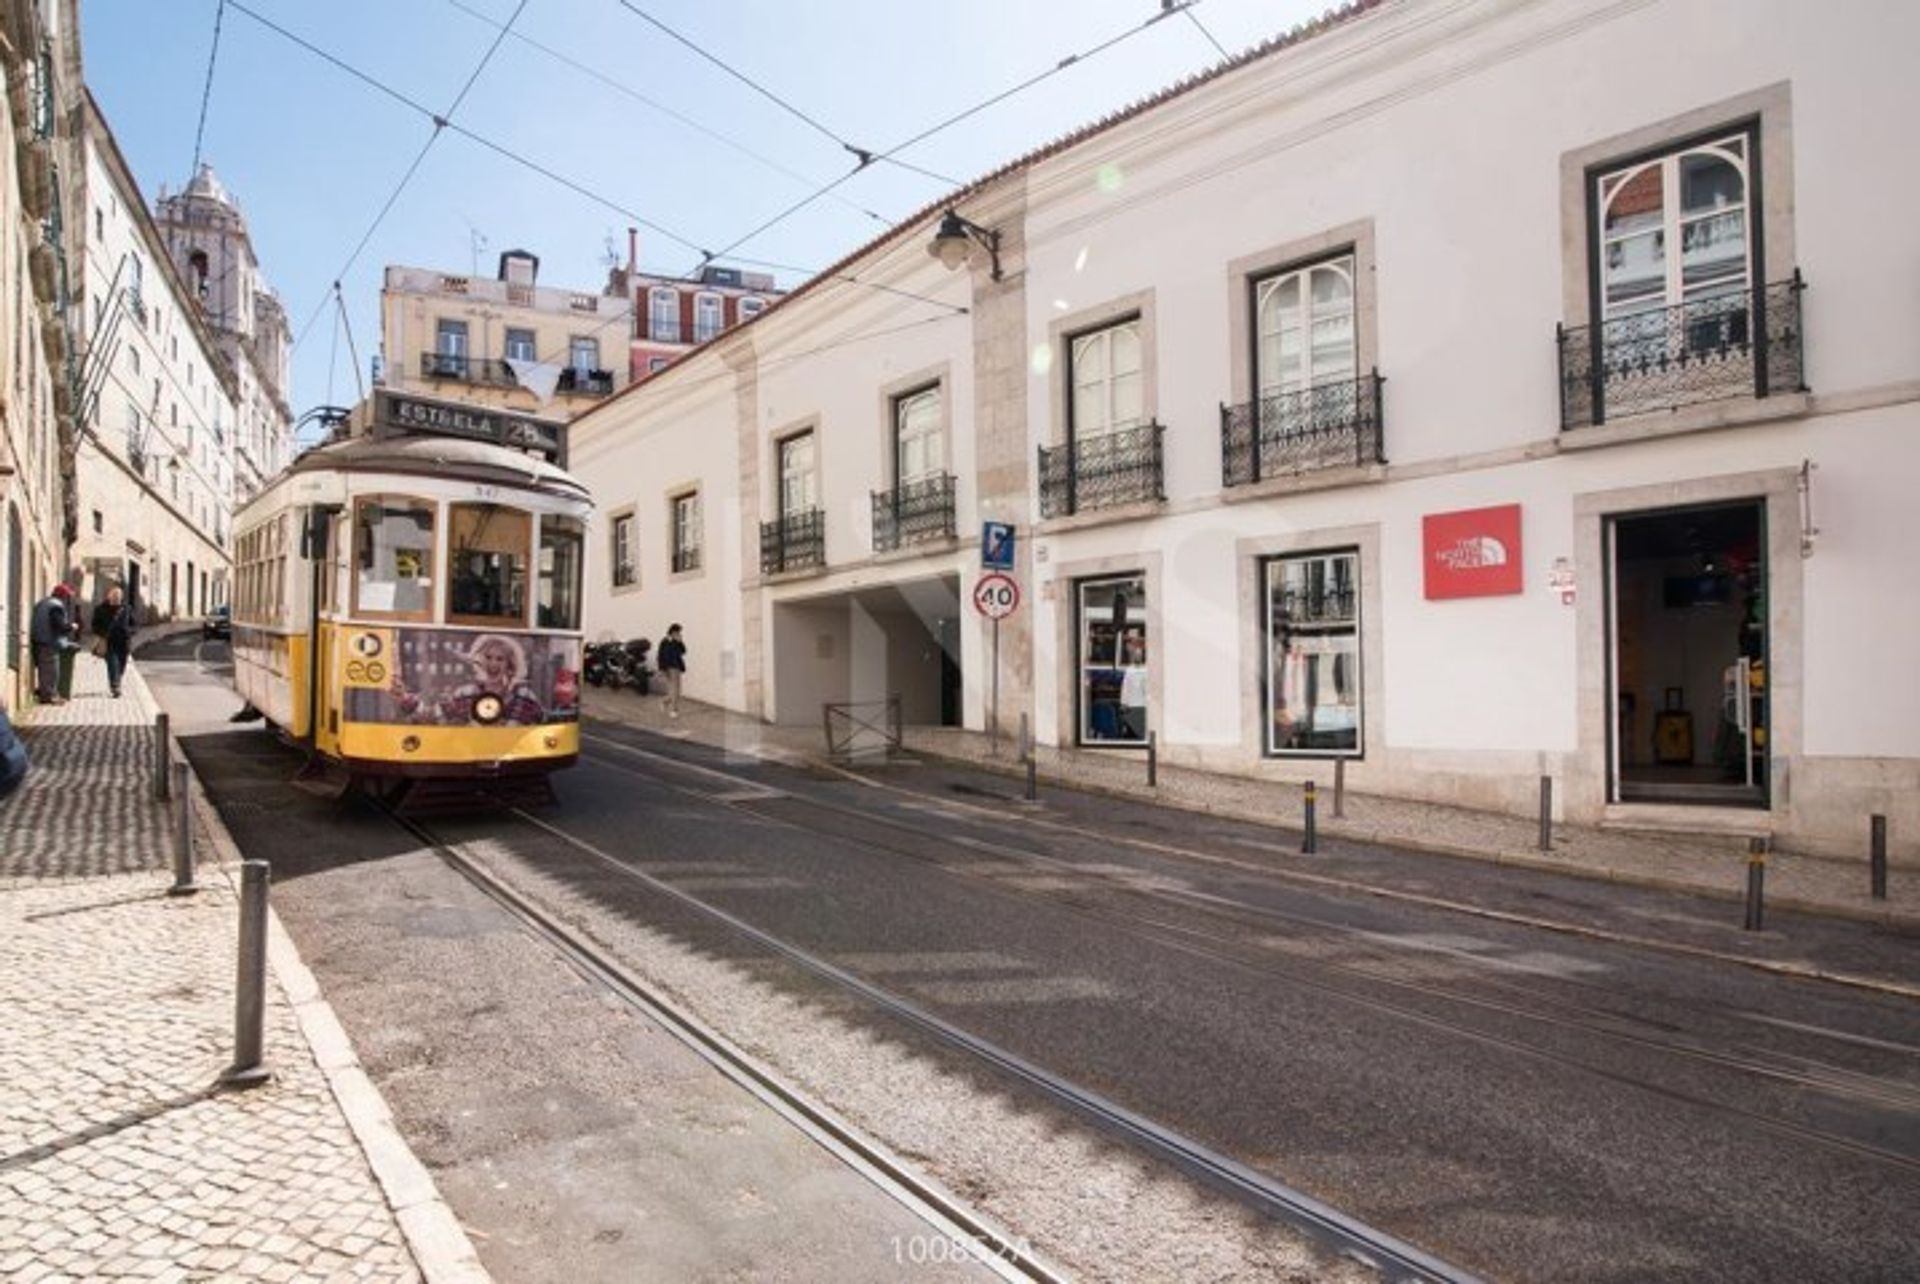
(488, 708)
(410, 744)
(550, 741)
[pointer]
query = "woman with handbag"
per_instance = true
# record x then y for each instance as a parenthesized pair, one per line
(113, 635)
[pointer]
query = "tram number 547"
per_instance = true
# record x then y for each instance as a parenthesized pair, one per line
(996, 596)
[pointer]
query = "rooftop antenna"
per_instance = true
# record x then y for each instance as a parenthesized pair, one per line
(476, 242)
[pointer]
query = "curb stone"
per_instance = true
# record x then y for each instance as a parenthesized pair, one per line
(433, 1234)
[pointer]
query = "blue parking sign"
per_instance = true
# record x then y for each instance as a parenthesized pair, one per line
(996, 546)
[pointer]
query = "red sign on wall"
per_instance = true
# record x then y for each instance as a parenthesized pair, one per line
(1473, 553)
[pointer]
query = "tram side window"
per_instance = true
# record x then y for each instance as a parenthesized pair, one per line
(393, 556)
(562, 541)
(487, 570)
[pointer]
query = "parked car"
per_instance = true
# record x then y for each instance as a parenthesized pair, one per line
(218, 623)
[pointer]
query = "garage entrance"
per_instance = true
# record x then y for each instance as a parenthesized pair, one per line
(870, 645)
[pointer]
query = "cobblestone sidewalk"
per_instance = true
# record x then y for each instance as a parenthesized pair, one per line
(118, 1157)
(1710, 866)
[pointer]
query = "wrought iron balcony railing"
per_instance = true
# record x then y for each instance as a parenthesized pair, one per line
(1104, 470)
(913, 512)
(447, 365)
(587, 383)
(793, 542)
(1746, 343)
(1281, 434)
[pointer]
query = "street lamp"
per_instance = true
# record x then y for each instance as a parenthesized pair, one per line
(954, 243)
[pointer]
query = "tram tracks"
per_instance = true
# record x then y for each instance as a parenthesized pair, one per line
(1346, 1237)
(1565, 1016)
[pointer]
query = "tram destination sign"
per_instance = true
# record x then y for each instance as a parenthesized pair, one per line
(396, 414)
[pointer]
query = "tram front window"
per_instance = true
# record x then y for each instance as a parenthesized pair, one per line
(393, 556)
(562, 540)
(487, 572)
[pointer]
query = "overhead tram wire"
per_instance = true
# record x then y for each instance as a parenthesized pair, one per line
(441, 122)
(1071, 60)
(1194, 18)
(664, 109)
(206, 93)
(863, 155)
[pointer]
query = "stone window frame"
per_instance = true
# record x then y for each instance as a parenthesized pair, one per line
(892, 393)
(1066, 580)
(1767, 110)
(629, 514)
(1251, 556)
(1064, 329)
(1246, 272)
(675, 496)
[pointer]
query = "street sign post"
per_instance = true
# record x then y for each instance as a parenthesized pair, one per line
(996, 596)
(996, 546)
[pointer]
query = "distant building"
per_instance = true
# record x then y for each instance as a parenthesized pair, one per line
(40, 365)
(156, 470)
(206, 234)
(507, 344)
(674, 316)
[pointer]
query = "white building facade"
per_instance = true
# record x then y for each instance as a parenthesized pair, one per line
(1471, 393)
(155, 464)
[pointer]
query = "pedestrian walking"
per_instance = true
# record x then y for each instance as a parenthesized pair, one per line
(672, 659)
(112, 628)
(13, 756)
(49, 636)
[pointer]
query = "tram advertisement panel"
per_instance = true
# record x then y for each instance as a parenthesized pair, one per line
(444, 678)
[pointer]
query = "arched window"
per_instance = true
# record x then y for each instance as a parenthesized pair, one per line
(197, 272)
(1304, 320)
(1694, 199)
(708, 317)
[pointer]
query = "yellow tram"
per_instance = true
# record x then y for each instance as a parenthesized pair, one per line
(410, 608)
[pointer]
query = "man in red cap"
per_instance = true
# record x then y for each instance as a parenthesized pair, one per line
(51, 634)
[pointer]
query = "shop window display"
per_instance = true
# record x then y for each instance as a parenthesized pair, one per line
(1114, 658)
(1313, 649)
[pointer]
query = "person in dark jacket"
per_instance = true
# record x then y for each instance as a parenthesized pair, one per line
(113, 626)
(13, 756)
(672, 659)
(49, 634)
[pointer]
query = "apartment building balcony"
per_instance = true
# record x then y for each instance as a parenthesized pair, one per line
(1104, 470)
(1745, 343)
(794, 542)
(480, 370)
(914, 512)
(1283, 434)
(586, 383)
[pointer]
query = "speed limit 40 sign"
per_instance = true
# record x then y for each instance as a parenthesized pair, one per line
(996, 596)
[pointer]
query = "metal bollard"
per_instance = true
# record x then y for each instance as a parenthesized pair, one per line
(1153, 760)
(1546, 813)
(1878, 860)
(183, 884)
(250, 988)
(1756, 883)
(162, 753)
(1027, 758)
(1339, 788)
(1310, 836)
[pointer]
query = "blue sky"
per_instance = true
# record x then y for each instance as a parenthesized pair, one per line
(311, 153)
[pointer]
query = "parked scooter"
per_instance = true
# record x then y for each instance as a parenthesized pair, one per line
(634, 665)
(604, 663)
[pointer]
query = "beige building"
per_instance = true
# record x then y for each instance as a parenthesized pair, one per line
(508, 344)
(39, 370)
(155, 471)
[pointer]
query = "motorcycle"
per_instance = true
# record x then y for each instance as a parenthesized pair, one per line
(604, 663)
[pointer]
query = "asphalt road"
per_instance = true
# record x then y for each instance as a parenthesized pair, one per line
(1529, 1104)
